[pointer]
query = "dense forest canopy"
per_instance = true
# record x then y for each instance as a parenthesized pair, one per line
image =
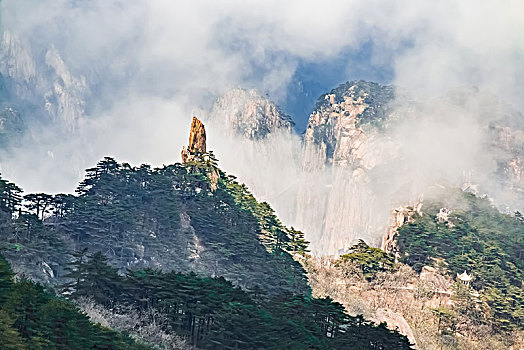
(33, 319)
(474, 237)
(214, 264)
(211, 313)
(168, 218)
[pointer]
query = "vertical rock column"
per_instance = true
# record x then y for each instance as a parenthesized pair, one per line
(197, 141)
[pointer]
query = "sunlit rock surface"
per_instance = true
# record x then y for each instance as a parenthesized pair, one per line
(197, 141)
(343, 141)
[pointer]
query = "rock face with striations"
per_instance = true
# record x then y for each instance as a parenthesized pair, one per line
(342, 143)
(367, 150)
(343, 120)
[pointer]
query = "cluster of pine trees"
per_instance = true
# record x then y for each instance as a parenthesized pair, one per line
(211, 313)
(476, 238)
(122, 238)
(143, 217)
(369, 260)
(25, 238)
(33, 319)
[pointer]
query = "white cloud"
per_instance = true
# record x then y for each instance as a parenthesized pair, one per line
(150, 63)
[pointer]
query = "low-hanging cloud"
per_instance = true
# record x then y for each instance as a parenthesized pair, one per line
(149, 65)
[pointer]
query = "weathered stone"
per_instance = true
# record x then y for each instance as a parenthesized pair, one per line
(399, 217)
(340, 146)
(197, 137)
(395, 321)
(197, 141)
(197, 148)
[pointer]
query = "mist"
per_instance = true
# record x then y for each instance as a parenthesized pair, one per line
(134, 72)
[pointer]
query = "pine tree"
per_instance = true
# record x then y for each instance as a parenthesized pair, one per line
(76, 272)
(9, 337)
(6, 279)
(368, 259)
(297, 243)
(38, 204)
(10, 196)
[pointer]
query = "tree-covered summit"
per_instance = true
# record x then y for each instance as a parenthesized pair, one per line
(171, 218)
(184, 249)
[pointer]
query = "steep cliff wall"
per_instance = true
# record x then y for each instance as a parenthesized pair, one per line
(255, 141)
(367, 150)
(344, 140)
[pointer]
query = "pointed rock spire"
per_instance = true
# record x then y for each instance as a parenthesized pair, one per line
(197, 141)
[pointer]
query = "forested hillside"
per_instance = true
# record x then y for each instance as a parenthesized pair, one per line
(33, 319)
(468, 234)
(184, 251)
(454, 278)
(166, 218)
(211, 313)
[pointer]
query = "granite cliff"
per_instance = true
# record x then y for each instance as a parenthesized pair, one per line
(369, 149)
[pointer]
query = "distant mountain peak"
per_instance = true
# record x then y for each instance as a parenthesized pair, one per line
(371, 97)
(249, 114)
(337, 120)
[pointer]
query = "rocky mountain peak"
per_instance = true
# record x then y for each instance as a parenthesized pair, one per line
(197, 137)
(359, 92)
(249, 114)
(197, 141)
(342, 118)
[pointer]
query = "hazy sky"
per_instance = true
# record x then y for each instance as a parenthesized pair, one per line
(149, 64)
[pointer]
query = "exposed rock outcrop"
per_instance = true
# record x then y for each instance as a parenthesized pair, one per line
(196, 150)
(65, 97)
(399, 217)
(395, 321)
(368, 149)
(344, 119)
(197, 141)
(340, 147)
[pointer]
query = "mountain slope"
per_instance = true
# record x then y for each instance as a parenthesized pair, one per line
(470, 235)
(164, 218)
(31, 318)
(163, 242)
